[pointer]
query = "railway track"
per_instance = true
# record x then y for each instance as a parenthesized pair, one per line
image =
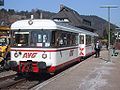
(7, 77)
(23, 83)
(9, 83)
(26, 83)
(7, 80)
(13, 82)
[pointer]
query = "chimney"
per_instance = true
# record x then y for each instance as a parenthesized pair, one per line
(61, 6)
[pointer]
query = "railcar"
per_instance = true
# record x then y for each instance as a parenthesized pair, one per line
(42, 44)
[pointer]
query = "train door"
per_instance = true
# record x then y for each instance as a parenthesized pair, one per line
(81, 44)
(89, 45)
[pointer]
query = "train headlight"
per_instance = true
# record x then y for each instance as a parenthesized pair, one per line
(44, 55)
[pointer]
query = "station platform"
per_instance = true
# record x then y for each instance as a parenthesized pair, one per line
(90, 74)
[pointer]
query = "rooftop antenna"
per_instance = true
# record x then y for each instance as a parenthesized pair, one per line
(32, 17)
(41, 15)
(61, 6)
(30, 22)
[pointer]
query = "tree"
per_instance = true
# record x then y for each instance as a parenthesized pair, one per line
(11, 11)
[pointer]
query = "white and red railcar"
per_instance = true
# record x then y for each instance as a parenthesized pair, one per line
(42, 44)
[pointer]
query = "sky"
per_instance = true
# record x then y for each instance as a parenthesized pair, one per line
(83, 7)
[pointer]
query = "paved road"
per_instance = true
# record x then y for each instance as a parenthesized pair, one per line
(91, 74)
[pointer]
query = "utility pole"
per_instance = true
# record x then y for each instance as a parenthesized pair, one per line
(109, 47)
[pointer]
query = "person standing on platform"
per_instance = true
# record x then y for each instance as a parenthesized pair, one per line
(97, 49)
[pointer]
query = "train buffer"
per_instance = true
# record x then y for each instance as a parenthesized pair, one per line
(91, 74)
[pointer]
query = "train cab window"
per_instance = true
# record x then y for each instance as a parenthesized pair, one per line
(19, 38)
(45, 38)
(22, 40)
(40, 38)
(81, 39)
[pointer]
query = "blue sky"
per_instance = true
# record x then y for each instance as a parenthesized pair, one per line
(83, 7)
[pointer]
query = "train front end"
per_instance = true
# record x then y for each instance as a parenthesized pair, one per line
(31, 49)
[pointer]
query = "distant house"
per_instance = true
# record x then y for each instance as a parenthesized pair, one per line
(70, 16)
(91, 23)
(99, 24)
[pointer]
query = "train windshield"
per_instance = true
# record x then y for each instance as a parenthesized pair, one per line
(40, 38)
(33, 38)
(44, 38)
(21, 38)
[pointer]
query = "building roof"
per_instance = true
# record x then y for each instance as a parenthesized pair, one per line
(95, 20)
(73, 17)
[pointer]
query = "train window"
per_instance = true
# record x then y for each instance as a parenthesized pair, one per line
(33, 39)
(21, 39)
(40, 38)
(45, 38)
(92, 39)
(81, 39)
(88, 40)
(68, 39)
(74, 39)
(53, 40)
(59, 39)
(64, 39)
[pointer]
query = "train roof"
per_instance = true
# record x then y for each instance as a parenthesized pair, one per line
(48, 24)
